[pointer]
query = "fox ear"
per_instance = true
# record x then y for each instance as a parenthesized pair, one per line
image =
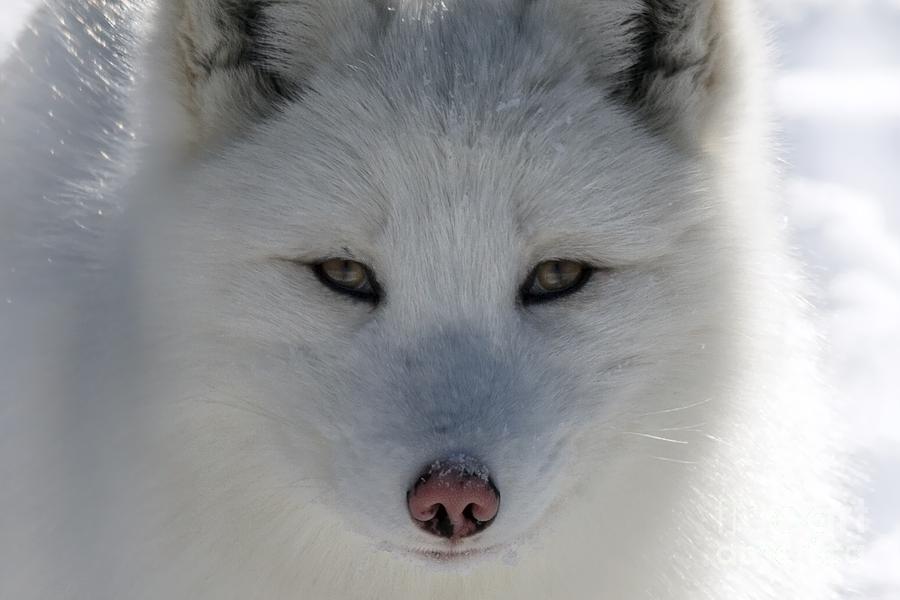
(678, 63)
(230, 62)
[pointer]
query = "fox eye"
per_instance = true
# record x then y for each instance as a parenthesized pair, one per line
(348, 277)
(555, 278)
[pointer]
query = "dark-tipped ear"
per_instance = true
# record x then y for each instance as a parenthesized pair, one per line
(678, 63)
(230, 62)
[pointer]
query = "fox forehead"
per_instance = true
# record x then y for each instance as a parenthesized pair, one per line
(543, 169)
(467, 122)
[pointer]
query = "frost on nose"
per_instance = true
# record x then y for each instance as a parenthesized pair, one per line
(454, 498)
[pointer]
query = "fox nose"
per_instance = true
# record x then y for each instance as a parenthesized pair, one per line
(454, 498)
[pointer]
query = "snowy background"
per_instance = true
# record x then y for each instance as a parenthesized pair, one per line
(837, 95)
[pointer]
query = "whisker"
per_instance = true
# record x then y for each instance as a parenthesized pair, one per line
(677, 409)
(654, 437)
(675, 460)
(717, 439)
(698, 428)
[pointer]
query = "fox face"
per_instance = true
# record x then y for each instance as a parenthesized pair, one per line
(431, 267)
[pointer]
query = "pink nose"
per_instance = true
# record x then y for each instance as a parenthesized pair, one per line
(454, 498)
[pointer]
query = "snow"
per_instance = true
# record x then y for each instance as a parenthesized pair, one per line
(843, 94)
(838, 97)
(14, 13)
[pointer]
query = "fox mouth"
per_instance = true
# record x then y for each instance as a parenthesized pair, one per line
(448, 555)
(454, 555)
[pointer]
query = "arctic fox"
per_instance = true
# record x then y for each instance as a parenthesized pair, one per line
(402, 299)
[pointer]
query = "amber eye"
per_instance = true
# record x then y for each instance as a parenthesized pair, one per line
(348, 277)
(554, 278)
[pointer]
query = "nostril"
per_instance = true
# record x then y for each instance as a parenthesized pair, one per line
(440, 524)
(454, 498)
(425, 514)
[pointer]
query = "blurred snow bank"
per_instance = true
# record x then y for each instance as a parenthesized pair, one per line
(866, 94)
(838, 95)
(844, 232)
(801, 9)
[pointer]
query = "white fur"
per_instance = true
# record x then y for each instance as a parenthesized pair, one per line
(204, 419)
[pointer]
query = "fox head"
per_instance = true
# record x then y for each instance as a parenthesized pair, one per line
(442, 273)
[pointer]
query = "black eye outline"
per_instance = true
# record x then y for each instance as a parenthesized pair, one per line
(527, 297)
(372, 293)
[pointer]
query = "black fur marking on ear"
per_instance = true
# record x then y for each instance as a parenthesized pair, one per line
(249, 18)
(655, 31)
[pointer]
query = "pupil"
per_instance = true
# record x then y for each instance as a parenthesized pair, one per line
(557, 273)
(556, 277)
(348, 273)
